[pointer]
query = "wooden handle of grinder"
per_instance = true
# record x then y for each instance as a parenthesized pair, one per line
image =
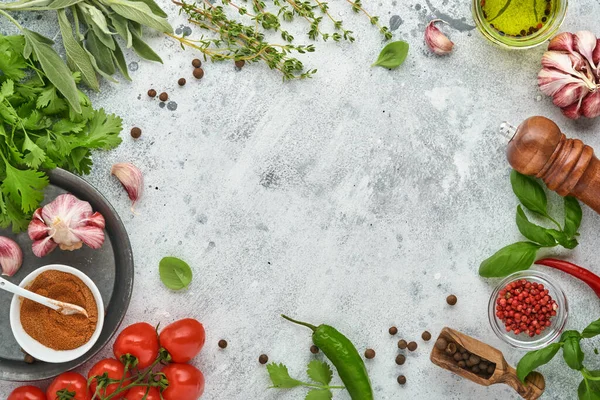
(567, 166)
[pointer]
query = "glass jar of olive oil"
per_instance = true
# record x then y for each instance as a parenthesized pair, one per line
(519, 24)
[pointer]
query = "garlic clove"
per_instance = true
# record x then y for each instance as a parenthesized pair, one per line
(591, 105)
(66, 208)
(37, 228)
(436, 40)
(569, 94)
(96, 219)
(11, 256)
(92, 236)
(596, 56)
(551, 80)
(131, 178)
(573, 111)
(43, 247)
(559, 61)
(562, 42)
(585, 43)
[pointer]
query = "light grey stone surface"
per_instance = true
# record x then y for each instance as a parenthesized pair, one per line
(360, 198)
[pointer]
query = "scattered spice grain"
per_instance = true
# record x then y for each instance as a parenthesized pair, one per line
(164, 96)
(152, 93)
(240, 64)
(136, 132)
(451, 300)
(263, 359)
(196, 63)
(198, 73)
(393, 330)
(412, 346)
(400, 359)
(181, 82)
(441, 344)
(369, 354)
(426, 336)
(223, 343)
(314, 349)
(401, 379)
(402, 344)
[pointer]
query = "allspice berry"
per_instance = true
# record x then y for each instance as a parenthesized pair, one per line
(426, 336)
(164, 96)
(152, 93)
(412, 346)
(240, 64)
(400, 359)
(441, 344)
(369, 354)
(402, 344)
(196, 63)
(401, 379)
(393, 330)
(198, 73)
(136, 132)
(451, 300)
(222, 343)
(263, 359)
(314, 349)
(181, 81)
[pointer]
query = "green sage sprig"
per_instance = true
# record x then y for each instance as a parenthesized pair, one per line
(589, 388)
(519, 256)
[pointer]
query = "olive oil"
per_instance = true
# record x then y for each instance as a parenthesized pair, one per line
(519, 18)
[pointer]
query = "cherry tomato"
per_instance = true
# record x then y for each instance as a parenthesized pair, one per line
(67, 385)
(27, 393)
(138, 392)
(183, 339)
(140, 341)
(113, 369)
(186, 382)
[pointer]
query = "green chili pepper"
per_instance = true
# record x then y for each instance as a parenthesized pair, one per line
(344, 356)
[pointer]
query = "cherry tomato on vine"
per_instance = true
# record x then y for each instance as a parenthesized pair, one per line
(140, 341)
(104, 371)
(27, 393)
(68, 386)
(185, 382)
(138, 392)
(183, 339)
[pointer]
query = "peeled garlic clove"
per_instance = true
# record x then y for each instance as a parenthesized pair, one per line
(569, 94)
(591, 105)
(131, 178)
(11, 256)
(551, 80)
(436, 40)
(585, 43)
(562, 42)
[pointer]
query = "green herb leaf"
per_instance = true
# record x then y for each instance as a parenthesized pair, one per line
(535, 359)
(392, 55)
(320, 372)
(532, 231)
(572, 352)
(176, 274)
(24, 187)
(142, 49)
(280, 377)
(119, 60)
(563, 239)
(101, 53)
(319, 394)
(591, 330)
(54, 68)
(529, 192)
(573, 215)
(122, 28)
(156, 10)
(512, 258)
(589, 389)
(140, 12)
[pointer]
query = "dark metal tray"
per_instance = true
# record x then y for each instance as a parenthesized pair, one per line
(110, 267)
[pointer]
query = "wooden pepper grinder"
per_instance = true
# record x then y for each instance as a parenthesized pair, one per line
(567, 166)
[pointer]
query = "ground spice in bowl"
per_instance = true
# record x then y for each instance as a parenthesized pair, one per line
(51, 328)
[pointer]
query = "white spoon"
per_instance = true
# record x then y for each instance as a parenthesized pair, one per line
(63, 308)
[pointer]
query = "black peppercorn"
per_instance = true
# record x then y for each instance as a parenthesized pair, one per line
(401, 379)
(222, 343)
(263, 359)
(181, 82)
(314, 349)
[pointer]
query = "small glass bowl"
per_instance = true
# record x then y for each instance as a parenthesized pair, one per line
(522, 340)
(525, 42)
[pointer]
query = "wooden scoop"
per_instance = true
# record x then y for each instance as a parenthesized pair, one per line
(504, 373)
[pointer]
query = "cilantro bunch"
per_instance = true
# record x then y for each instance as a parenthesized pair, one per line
(40, 130)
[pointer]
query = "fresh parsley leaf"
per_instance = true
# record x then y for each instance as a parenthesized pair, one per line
(319, 394)
(320, 372)
(280, 377)
(7, 89)
(24, 187)
(103, 131)
(34, 155)
(535, 359)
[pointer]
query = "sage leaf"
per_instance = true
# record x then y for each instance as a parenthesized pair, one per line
(535, 359)
(392, 55)
(97, 22)
(77, 58)
(119, 60)
(97, 69)
(176, 274)
(154, 7)
(591, 330)
(529, 192)
(122, 28)
(143, 50)
(512, 258)
(532, 231)
(573, 215)
(140, 12)
(62, 4)
(572, 352)
(53, 66)
(101, 53)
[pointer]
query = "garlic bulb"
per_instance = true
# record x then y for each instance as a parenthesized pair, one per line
(436, 40)
(131, 178)
(66, 222)
(571, 74)
(11, 256)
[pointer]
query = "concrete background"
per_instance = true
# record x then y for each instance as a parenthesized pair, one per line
(360, 198)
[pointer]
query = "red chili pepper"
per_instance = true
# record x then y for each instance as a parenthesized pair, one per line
(591, 279)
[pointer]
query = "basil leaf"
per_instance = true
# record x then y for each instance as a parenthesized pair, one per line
(101, 53)
(176, 274)
(392, 55)
(143, 50)
(532, 231)
(563, 239)
(514, 257)
(572, 352)
(53, 66)
(77, 59)
(589, 389)
(529, 192)
(536, 358)
(119, 60)
(591, 330)
(573, 215)
(140, 12)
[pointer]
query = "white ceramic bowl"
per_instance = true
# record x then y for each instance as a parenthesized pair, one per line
(35, 348)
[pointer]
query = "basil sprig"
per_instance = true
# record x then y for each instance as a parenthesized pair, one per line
(570, 343)
(519, 256)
